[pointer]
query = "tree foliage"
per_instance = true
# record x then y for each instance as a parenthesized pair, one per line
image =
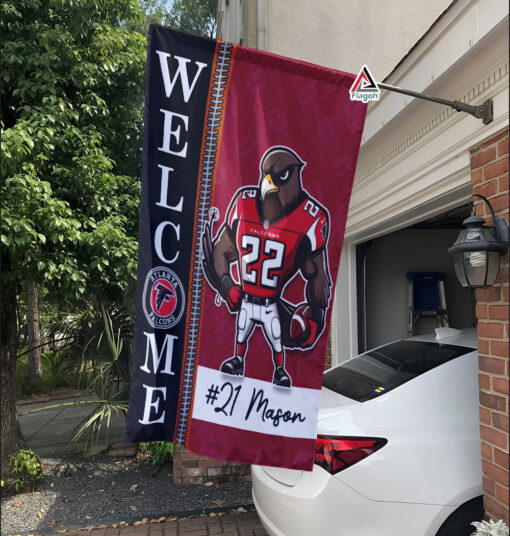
(195, 16)
(72, 86)
(72, 81)
(72, 93)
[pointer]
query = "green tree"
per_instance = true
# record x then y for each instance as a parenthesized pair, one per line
(195, 16)
(72, 92)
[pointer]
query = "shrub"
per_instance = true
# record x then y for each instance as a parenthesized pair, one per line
(161, 451)
(26, 469)
(490, 528)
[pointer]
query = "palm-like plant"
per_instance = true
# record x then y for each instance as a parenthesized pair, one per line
(110, 370)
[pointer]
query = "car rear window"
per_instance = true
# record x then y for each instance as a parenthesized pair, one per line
(376, 372)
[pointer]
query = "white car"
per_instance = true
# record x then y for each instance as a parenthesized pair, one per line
(398, 447)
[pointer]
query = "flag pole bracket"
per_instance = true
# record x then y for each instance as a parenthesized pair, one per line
(484, 111)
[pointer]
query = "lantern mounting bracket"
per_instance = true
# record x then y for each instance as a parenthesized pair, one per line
(484, 111)
(501, 231)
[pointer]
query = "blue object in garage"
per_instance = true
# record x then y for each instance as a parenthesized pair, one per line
(426, 297)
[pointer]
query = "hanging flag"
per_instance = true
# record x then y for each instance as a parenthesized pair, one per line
(248, 164)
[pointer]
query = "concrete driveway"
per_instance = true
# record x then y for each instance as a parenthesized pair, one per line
(50, 432)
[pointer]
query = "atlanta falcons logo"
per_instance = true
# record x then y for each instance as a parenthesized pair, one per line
(163, 294)
(163, 298)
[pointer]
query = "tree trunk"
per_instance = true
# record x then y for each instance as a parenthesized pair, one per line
(34, 335)
(12, 440)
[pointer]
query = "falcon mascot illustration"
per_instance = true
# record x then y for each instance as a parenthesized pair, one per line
(272, 232)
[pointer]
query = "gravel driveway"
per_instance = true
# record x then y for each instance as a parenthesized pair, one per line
(103, 489)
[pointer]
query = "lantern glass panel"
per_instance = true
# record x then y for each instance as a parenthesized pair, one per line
(492, 267)
(458, 265)
(475, 266)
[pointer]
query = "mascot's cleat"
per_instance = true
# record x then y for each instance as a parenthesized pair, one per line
(280, 377)
(233, 366)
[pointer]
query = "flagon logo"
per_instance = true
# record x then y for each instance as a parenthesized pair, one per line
(364, 88)
(163, 298)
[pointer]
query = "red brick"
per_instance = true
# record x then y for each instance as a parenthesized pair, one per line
(487, 451)
(493, 471)
(495, 169)
(476, 176)
(488, 485)
(481, 310)
(493, 436)
(483, 346)
(491, 330)
(491, 364)
(503, 184)
(494, 139)
(500, 385)
(487, 188)
(494, 509)
(188, 455)
(211, 463)
(493, 401)
(502, 493)
(484, 382)
(506, 293)
(503, 275)
(499, 203)
(498, 312)
(190, 463)
(483, 157)
(480, 209)
(499, 348)
(488, 294)
(503, 147)
(485, 416)
(500, 421)
(501, 458)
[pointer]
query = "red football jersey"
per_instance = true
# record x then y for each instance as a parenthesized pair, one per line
(270, 253)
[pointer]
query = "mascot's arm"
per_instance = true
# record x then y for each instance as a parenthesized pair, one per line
(218, 256)
(318, 291)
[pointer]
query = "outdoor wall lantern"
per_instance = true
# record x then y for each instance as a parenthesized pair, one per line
(477, 250)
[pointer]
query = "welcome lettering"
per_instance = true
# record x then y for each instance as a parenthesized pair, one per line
(176, 73)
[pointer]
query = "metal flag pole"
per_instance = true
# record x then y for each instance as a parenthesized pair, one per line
(483, 111)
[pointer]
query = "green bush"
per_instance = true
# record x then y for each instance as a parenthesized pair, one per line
(57, 374)
(26, 469)
(161, 451)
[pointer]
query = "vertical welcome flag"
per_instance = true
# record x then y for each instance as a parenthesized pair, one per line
(248, 166)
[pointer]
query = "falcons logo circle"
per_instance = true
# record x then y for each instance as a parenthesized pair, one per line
(163, 298)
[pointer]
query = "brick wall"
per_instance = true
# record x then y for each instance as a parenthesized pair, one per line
(190, 468)
(489, 177)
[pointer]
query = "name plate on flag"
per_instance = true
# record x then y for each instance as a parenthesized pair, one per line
(248, 165)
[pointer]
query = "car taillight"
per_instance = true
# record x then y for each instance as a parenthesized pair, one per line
(334, 454)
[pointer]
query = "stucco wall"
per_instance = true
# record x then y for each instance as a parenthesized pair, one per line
(344, 35)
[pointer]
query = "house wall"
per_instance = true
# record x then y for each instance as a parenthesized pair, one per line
(354, 31)
(489, 177)
(388, 260)
(340, 34)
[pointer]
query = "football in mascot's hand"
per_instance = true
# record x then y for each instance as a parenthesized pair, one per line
(299, 323)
